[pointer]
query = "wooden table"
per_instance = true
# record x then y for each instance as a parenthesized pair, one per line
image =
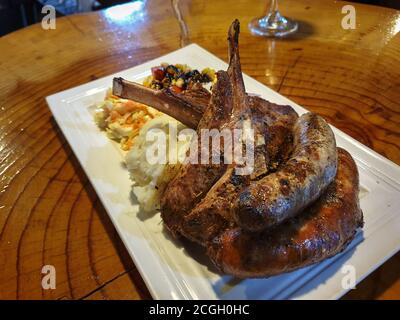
(50, 214)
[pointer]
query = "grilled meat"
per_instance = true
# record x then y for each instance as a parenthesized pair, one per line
(272, 126)
(298, 206)
(321, 231)
(299, 181)
(194, 180)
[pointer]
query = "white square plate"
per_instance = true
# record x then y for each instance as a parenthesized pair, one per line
(173, 271)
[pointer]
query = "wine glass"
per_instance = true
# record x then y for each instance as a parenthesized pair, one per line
(273, 24)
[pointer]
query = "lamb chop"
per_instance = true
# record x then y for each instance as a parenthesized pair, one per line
(215, 211)
(195, 179)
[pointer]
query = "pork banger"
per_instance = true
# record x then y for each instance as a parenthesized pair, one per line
(321, 231)
(297, 183)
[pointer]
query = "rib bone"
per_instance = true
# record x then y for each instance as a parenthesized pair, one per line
(186, 107)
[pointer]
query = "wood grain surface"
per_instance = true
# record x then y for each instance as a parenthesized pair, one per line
(50, 214)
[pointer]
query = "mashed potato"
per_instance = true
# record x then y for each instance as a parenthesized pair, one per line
(150, 179)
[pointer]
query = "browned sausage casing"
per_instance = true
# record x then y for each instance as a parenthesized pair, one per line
(321, 231)
(299, 182)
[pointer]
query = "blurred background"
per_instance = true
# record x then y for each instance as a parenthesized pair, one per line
(16, 14)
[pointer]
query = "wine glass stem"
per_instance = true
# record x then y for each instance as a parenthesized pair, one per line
(273, 24)
(273, 16)
(273, 7)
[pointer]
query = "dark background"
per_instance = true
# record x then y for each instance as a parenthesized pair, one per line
(16, 14)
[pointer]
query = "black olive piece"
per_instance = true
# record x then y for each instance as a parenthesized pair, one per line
(196, 76)
(191, 74)
(169, 76)
(186, 76)
(172, 70)
(155, 84)
(166, 82)
(205, 78)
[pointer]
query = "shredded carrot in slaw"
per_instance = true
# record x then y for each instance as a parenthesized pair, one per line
(122, 119)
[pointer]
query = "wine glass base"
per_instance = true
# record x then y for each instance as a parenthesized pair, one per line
(273, 26)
